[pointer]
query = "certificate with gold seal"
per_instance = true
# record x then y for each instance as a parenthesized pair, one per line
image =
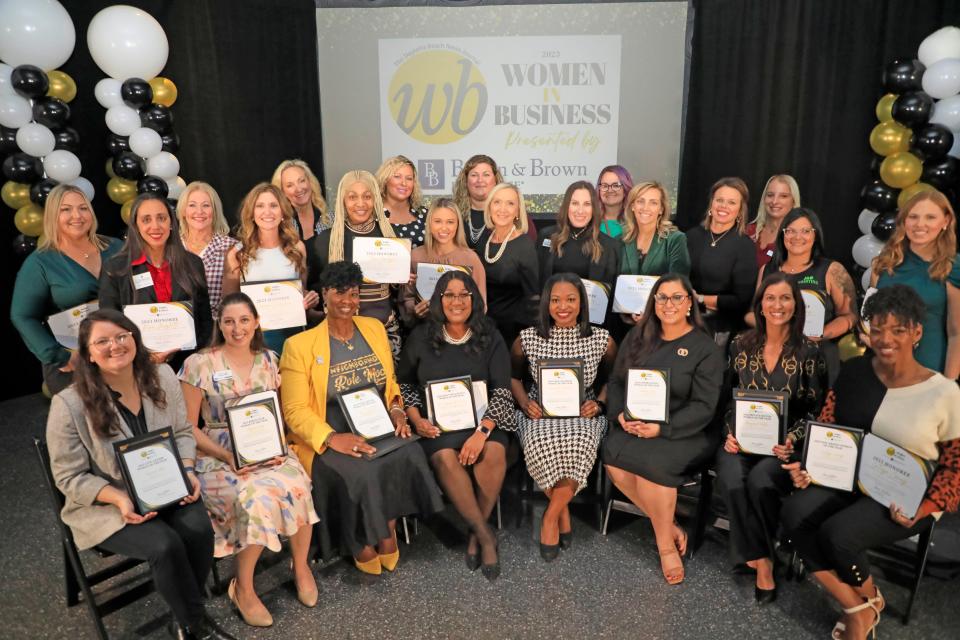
(632, 292)
(152, 470)
(452, 404)
(815, 313)
(890, 474)
(65, 325)
(164, 326)
(598, 299)
(760, 420)
(647, 395)
(279, 303)
(383, 260)
(366, 412)
(560, 382)
(830, 455)
(256, 428)
(429, 273)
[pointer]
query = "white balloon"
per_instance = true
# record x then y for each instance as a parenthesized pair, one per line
(62, 166)
(865, 249)
(107, 93)
(5, 72)
(145, 142)
(865, 220)
(15, 111)
(939, 45)
(163, 165)
(35, 139)
(37, 32)
(176, 187)
(955, 149)
(942, 80)
(122, 120)
(947, 113)
(865, 278)
(127, 42)
(84, 185)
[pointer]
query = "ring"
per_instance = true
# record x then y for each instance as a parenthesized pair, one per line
(355, 448)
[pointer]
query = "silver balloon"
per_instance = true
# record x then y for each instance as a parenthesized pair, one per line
(122, 120)
(62, 166)
(865, 220)
(865, 278)
(163, 165)
(942, 80)
(84, 185)
(947, 113)
(15, 111)
(107, 93)
(865, 249)
(35, 139)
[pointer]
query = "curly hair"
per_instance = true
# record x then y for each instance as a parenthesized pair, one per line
(478, 322)
(341, 275)
(460, 193)
(899, 301)
(250, 232)
(385, 172)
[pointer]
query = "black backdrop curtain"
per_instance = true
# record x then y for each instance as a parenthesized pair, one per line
(246, 71)
(790, 86)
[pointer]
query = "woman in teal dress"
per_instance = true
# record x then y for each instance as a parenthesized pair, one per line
(63, 273)
(922, 254)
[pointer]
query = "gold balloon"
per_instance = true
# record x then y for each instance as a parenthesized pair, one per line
(15, 194)
(120, 190)
(125, 211)
(61, 86)
(888, 138)
(850, 348)
(164, 91)
(109, 168)
(901, 169)
(29, 220)
(911, 191)
(885, 107)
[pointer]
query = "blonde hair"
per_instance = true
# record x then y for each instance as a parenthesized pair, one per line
(461, 195)
(250, 233)
(51, 215)
(335, 253)
(459, 238)
(740, 187)
(316, 193)
(520, 222)
(945, 247)
(664, 225)
(220, 225)
(385, 172)
(761, 220)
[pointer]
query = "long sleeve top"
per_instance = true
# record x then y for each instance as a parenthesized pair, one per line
(726, 268)
(665, 255)
(573, 260)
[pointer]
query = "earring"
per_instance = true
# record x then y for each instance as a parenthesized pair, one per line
(916, 344)
(689, 311)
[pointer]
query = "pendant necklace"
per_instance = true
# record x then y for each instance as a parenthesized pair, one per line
(714, 239)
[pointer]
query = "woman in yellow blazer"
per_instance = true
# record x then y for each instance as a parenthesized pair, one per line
(343, 353)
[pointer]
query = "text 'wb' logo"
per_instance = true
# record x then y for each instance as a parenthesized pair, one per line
(437, 97)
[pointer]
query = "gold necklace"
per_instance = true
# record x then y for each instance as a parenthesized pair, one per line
(714, 239)
(344, 341)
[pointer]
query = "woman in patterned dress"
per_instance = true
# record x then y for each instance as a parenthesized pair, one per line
(402, 199)
(560, 452)
(249, 508)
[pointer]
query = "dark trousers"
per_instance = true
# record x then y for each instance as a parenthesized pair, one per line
(832, 530)
(178, 544)
(754, 488)
(55, 379)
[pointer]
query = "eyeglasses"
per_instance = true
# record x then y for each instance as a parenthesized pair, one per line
(677, 299)
(456, 297)
(104, 344)
(614, 186)
(803, 232)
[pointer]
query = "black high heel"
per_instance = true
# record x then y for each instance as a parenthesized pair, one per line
(472, 560)
(549, 552)
(566, 540)
(764, 596)
(492, 571)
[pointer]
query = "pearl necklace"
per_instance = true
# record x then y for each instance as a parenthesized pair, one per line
(450, 340)
(503, 246)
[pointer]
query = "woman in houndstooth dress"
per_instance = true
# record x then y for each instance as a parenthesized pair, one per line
(560, 452)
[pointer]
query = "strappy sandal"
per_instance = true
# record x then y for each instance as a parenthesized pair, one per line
(840, 627)
(673, 575)
(681, 543)
(878, 602)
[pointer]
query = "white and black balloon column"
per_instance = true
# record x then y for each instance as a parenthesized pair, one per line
(917, 141)
(130, 46)
(37, 144)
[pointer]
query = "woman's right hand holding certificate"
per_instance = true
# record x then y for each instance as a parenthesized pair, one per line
(533, 410)
(350, 445)
(730, 445)
(425, 428)
(800, 478)
(784, 451)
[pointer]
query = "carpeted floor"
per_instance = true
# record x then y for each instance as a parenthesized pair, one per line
(604, 587)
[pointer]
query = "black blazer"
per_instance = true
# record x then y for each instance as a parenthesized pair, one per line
(606, 270)
(116, 291)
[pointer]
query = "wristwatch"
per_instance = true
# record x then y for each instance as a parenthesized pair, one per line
(484, 429)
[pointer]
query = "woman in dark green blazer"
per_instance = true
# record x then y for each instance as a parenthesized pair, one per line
(652, 246)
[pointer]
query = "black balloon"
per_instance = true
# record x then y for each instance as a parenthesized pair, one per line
(67, 138)
(24, 245)
(21, 167)
(156, 117)
(29, 81)
(136, 92)
(117, 144)
(884, 225)
(8, 141)
(912, 109)
(171, 142)
(173, 202)
(875, 165)
(153, 184)
(932, 141)
(40, 190)
(901, 76)
(878, 196)
(941, 173)
(128, 165)
(51, 112)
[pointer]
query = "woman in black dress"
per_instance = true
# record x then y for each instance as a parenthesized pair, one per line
(649, 460)
(775, 356)
(479, 175)
(457, 339)
(402, 199)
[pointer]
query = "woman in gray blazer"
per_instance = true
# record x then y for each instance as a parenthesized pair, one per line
(119, 393)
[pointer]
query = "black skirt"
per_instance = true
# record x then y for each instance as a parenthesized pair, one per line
(665, 462)
(456, 440)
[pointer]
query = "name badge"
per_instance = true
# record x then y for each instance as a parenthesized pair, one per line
(219, 376)
(142, 280)
(547, 242)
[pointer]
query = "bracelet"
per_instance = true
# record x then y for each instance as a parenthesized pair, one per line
(188, 469)
(398, 408)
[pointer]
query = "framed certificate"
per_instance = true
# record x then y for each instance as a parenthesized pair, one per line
(255, 426)
(452, 403)
(164, 326)
(279, 303)
(760, 420)
(647, 395)
(366, 413)
(598, 297)
(830, 455)
(429, 273)
(815, 313)
(383, 260)
(152, 470)
(480, 400)
(66, 325)
(890, 474)
(561, 388)
(631, 293)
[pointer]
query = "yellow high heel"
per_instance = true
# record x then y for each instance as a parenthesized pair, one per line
(389, 560)
(371, 566)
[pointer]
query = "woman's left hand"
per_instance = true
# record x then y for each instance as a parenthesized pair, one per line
(159, 357)
(898, 516)
(471, 449)
(784, 451)
(310, 299)
(589, 409)
(800, 478)
(400, 424)
(193, 497)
